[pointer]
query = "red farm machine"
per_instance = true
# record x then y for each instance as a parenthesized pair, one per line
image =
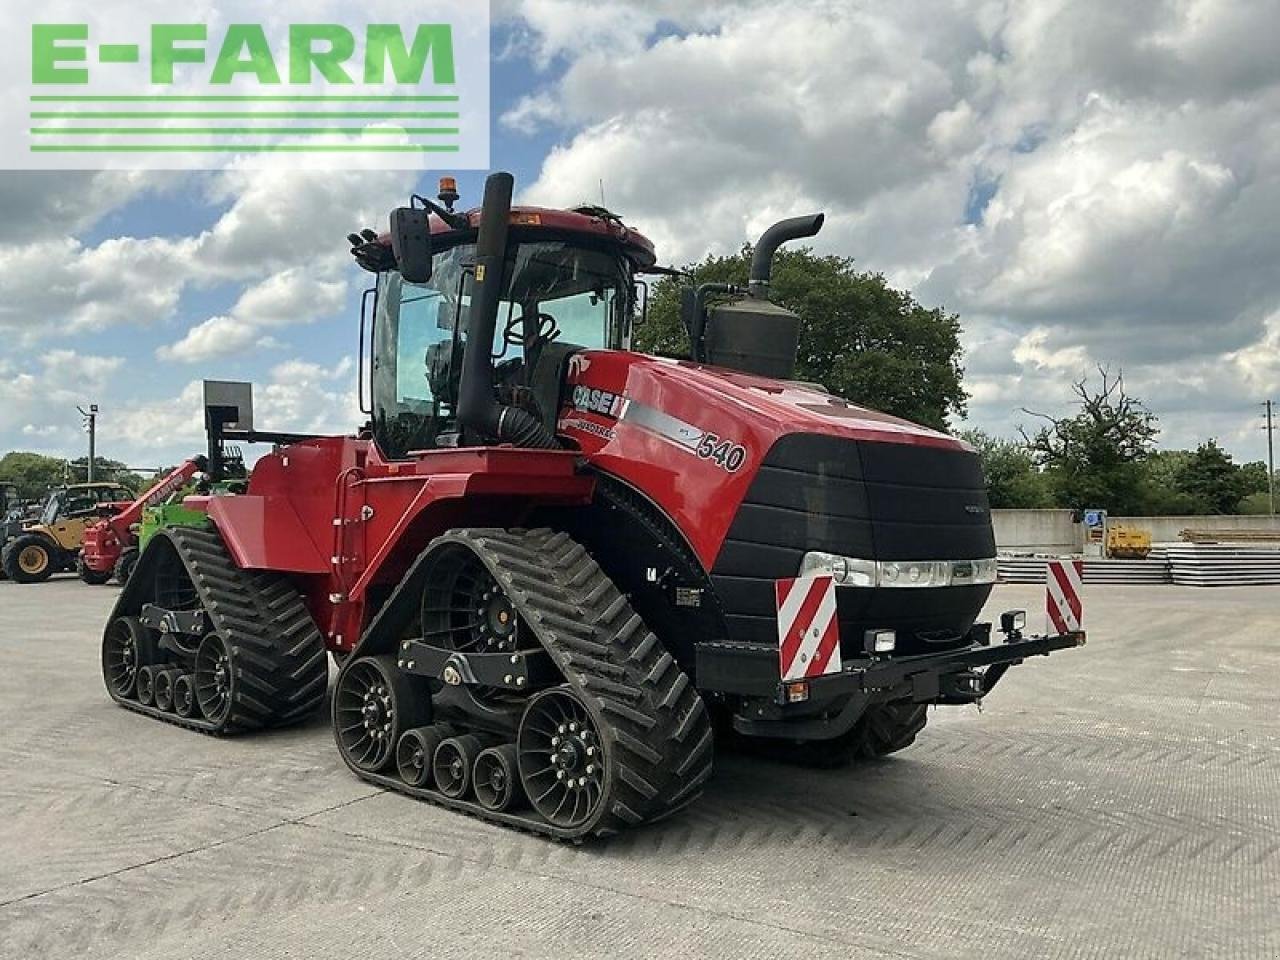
(110, 547)
(549, 562)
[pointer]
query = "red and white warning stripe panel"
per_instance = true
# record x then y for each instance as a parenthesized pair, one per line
(808, 633)
(1063, 582)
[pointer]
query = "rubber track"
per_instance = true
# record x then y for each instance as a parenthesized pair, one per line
(659, 735)
(281, 667)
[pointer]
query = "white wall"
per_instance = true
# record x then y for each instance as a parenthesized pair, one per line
(1167, 529)
(1036, 531)
(1052, 532)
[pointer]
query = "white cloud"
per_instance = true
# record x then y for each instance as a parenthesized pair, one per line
(297, 396)
(216, 337)
(531, 113)
(1083, 182)
(288, 223)
(38, 398)
(42, 205)
(285, 299)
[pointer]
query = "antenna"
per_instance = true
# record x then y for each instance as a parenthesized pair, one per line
(602, 203)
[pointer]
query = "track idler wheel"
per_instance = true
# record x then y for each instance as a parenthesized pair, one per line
(146, 685)
(414, 753)
(496, 776)
(126, 647)
(452, 765)
(372, 703)
(164, 679)
(213, 679)
(562, 758)
(184, 695)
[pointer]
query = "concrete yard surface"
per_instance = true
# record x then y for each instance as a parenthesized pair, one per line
(1121, 800)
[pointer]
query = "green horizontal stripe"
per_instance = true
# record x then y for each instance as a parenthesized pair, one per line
(135, 115)
(243, 131)
(242, 99)
(243, 148)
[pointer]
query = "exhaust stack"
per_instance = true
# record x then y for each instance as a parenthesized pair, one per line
(797, 228)
(753, 334)
(478, 407)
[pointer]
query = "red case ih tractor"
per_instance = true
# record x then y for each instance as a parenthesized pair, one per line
(548, 561)
(110, 547)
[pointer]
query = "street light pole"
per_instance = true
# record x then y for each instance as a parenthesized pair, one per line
(91, 423)
(1271, 455)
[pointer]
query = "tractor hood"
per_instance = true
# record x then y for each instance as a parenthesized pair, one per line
(693, 437)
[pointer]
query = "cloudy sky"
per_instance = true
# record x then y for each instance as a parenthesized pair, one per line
(1083, 182)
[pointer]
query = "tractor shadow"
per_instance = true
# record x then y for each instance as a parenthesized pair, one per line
(761, 799)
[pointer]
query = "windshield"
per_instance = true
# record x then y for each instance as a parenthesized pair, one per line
(555, 292)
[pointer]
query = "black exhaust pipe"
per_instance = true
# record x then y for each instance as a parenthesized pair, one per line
(478, 407)
(782, 231)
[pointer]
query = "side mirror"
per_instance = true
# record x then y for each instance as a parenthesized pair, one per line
(641, 297)
(411, 243)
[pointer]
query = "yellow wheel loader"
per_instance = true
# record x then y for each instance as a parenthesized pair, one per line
(52, 543)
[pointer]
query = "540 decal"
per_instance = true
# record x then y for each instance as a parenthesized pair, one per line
(724, 453)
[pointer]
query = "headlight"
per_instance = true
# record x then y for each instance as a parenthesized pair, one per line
(846, 571)
(852, 572)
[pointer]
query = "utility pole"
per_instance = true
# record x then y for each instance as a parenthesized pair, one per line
(1271, 454)
(91, 424)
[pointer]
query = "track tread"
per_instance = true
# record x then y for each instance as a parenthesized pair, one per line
(654, 722)
(279, 656)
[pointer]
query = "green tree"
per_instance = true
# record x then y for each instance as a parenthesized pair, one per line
(1096, 457)
(1213, 482)
(859, 337)
(1162, 493)
(1013, 479)
(1254, 477)
(105, 470)
(33, 473)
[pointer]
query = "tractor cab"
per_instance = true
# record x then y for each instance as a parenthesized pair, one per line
(81, 500)
(568, 283)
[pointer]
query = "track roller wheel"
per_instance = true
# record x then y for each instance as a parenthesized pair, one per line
(164, 678)
(372, 703)
(126, 646)
(414, 753)
(562, 759)
(213, 679)
(452, 765)
(146, 685)
(184, 695)
(496, 775)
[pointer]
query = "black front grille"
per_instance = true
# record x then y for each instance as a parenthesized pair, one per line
(877, 501)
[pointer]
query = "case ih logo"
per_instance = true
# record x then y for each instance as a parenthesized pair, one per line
(592, 400)
(116, 84)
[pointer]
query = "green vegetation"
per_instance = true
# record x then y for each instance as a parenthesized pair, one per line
(859, 337)
(35, 474)
(1104, 456)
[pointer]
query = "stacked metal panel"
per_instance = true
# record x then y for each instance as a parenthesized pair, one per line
(1224, 564)
(1032, 570)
